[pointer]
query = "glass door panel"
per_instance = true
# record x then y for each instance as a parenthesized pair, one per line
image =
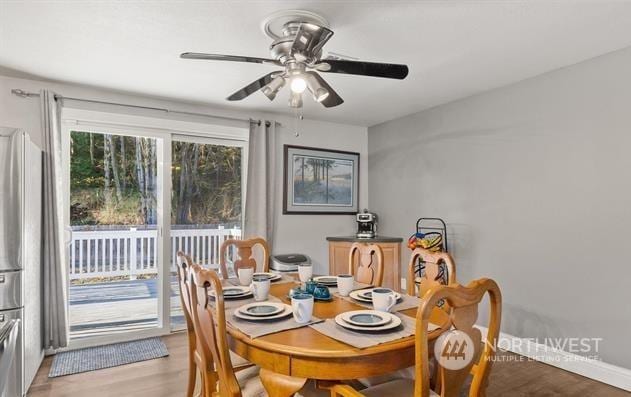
(114, 215)
(206, 203)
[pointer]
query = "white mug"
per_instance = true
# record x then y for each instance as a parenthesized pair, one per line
(260, 287)
(245, 275)
(345, 284)
(383, 299)
(302, 305)
(305, 272)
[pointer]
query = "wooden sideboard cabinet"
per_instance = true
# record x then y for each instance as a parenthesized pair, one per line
(339, 248)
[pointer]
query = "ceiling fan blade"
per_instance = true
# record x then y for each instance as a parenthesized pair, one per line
(310, 39)
(233, 58)
(387, 70)
(253, 87)
(333, 99)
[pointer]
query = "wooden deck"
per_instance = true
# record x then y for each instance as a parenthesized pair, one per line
(119, 306)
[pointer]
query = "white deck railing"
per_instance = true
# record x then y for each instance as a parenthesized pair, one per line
(111, 253)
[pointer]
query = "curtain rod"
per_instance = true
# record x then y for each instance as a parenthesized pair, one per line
(24, 94)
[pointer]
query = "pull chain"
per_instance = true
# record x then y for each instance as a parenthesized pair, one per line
(298, 118)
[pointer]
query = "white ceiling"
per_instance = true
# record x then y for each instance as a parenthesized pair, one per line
(453, 48)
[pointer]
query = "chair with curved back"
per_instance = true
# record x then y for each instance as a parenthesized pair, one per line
(463, 305)
(218, 375)
(244, 254)
(184, 263)
(436, 263)
(195, 362)
(209, 318)
(369, 267)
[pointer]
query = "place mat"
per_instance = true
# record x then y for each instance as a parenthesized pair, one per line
(284, 279)
(235, 303)
(255, 329)
(362, 340)
(356, 285)
(407, 302)
(229, 282)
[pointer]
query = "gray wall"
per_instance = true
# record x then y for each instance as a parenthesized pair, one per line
(534, 180)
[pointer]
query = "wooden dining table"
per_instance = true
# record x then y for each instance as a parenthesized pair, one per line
(289, 358)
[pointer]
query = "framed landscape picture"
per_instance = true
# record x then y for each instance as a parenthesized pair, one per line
(320, 181)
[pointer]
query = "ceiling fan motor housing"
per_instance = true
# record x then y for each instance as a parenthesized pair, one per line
(281, 48)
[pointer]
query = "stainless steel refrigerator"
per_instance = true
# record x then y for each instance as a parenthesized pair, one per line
(20, 255)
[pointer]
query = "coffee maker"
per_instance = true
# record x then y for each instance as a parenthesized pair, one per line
(366, 224)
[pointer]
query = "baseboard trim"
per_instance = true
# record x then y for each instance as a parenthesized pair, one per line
(590, 368)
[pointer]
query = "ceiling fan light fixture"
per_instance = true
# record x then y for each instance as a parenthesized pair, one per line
(295, 100)
(316, 89)
(298, 84)
(271, 89)
(320, 94)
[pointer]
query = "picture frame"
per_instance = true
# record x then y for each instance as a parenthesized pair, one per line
(320, 181)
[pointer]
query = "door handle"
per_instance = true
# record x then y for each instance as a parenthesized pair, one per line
(1, 318)
(2, 278)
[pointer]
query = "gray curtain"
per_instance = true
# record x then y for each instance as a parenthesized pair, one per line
(54, 247)
(260, 195)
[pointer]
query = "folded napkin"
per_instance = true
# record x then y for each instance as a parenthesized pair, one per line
(406, 302)
(362, 340)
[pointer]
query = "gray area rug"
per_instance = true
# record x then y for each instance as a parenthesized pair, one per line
(99, 357)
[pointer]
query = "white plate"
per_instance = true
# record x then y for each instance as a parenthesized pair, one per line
(367, 318)
(326, 280)
(272, 276)
(233, 292)
(395, 322)
(365, 296)
(287, 311)
(261, 309)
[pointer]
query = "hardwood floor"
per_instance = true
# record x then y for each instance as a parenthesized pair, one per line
(167, 377)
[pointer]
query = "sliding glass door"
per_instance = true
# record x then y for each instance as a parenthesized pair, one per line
(134, 198)
(206, 203)
(115, 181)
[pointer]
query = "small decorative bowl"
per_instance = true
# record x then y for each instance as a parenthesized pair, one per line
(310, 286)
(322, 292)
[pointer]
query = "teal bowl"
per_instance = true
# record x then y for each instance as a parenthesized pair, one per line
(321, 291)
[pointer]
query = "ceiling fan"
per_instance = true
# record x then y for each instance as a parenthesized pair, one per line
(297, 47)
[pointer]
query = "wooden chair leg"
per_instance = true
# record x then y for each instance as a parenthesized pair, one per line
(208, 386)
(192, 375)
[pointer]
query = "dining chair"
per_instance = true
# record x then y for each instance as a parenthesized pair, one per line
(244, 254)
(463, 304)
(218, 376)
(209, 318)
(183, 267)
(195, 363)
(436, 264)
(369, 266)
